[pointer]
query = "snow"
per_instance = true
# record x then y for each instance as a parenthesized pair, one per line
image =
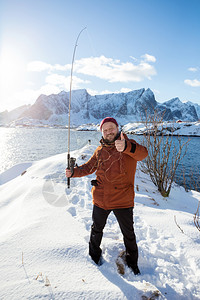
(182, 129)
(138, 128)
(14, 172)
(45, 230)
(88, 127)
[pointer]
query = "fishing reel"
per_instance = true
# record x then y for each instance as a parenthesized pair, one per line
(72, 161)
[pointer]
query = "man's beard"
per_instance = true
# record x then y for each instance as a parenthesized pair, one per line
(111, 139)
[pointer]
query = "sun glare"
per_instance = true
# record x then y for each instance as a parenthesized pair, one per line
(12, 73)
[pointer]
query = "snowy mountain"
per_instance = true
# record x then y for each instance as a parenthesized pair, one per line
(7, 117)
(86, 108)
(197, 107)
(126, 107)
(184, 111)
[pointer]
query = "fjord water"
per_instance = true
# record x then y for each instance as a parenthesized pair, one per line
(18, 145)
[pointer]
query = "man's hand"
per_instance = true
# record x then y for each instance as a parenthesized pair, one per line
(120, 144)
(68, 173)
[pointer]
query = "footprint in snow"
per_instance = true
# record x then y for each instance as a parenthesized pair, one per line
(74, 199)
(72, 211)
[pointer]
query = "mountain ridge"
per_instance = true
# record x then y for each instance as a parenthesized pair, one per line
(85, 108)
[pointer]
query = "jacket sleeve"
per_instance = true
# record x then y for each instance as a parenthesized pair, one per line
(88, 168)
(135, 150)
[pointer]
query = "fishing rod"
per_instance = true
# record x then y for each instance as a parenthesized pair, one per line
(71, 160)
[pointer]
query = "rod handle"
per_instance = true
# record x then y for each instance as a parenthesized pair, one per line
(68, 167)
(68, 182)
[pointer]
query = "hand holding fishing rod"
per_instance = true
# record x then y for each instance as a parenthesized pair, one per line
(70, 169)
(71, 160)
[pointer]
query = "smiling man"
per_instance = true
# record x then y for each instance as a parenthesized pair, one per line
(115, 162)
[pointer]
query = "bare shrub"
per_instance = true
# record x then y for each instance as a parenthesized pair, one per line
(196, 217)
(190, 179)
(165, 152)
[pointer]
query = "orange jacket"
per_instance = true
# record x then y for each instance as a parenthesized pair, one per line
(115, 173)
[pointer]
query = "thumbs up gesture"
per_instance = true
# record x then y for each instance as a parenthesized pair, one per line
(120, 144)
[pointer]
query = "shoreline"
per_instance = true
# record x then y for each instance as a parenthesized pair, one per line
(139, 132)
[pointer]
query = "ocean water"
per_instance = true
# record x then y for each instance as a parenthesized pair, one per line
(19, 145)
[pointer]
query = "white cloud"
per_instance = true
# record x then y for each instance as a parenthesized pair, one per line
(193, 69)
(122, 90)
(113, 70)
(39, 66)
(92, 92)
(54, 84)
(29, 96)
(55, 79)
(149, 58)
(125, 90)
(48, 89)
(107, 92)
(58, 67)
(95, 92)
(193, 83)
(63, 82)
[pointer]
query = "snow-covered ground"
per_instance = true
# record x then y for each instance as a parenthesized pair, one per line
(45, 228)
(183, 128)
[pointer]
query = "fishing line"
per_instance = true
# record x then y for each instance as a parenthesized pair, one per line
(71, 160)
(94, 52)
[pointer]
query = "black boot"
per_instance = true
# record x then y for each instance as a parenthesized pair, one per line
(130, 264)
(135, 270)
(97, 259)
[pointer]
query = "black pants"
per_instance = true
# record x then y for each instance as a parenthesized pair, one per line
(124, 217)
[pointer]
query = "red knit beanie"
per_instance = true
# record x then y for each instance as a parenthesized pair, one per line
(108, 119)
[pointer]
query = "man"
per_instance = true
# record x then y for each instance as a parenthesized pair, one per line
(113, 190)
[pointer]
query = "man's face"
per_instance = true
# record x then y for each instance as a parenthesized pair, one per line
(109, 131)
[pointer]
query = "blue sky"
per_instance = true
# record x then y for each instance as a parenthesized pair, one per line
(127, 45)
